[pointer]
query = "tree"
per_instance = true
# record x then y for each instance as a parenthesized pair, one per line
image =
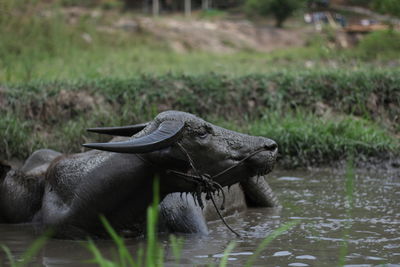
(280, 9)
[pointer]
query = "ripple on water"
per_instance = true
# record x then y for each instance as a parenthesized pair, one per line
(306, 257)
(358, 265)
(201, 256)
(374, 258)
(298, 264)
(220, 255)
(392, 246)
(291, 179)
(282, 253)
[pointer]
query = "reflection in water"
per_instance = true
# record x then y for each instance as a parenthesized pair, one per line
(315, 197)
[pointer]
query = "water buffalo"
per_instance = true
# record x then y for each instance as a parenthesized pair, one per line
(186, 153)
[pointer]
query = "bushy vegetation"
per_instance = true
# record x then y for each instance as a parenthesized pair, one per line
(387, 40)
(316, 117)
(306, 139)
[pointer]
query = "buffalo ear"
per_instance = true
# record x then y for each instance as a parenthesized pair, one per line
(127, 130)
(4, 169)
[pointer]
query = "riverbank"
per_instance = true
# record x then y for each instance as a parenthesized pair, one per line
(316, 117)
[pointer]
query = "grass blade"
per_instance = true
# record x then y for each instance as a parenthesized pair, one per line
(227, 251)
(349, 185)
(34, 249)
(125, 257)
(177, 245)
(8, 254)
(269, 239)
(97, 256)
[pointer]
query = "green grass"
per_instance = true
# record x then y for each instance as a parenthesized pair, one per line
(139, 59)
(40, 43)
(386, 40)
(135, 59)
(29, 254)
(306, 139)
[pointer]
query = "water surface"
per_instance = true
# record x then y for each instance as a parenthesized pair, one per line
(366, 232)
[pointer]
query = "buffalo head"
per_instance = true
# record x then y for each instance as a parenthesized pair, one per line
(182, 142)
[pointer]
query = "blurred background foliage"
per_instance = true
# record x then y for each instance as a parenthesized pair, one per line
(66, 65)
(280, 9)
(50, 39)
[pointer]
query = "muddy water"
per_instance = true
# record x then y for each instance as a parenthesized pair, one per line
(370, 227)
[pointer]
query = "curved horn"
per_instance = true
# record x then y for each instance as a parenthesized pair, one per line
(128, 130)
(166, 134)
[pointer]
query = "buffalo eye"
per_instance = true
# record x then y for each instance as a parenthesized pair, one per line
(203, 135)
(206, 131)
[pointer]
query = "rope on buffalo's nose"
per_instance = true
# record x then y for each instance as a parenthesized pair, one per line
(212, 186)
(222, 217)
(205, 180)
(239, 162)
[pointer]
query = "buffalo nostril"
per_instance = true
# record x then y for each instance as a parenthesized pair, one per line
(271, 146)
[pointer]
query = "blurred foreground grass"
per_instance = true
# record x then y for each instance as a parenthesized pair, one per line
(151, 253)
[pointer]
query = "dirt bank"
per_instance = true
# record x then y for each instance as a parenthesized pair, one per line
(186, 34)
(220, 36)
